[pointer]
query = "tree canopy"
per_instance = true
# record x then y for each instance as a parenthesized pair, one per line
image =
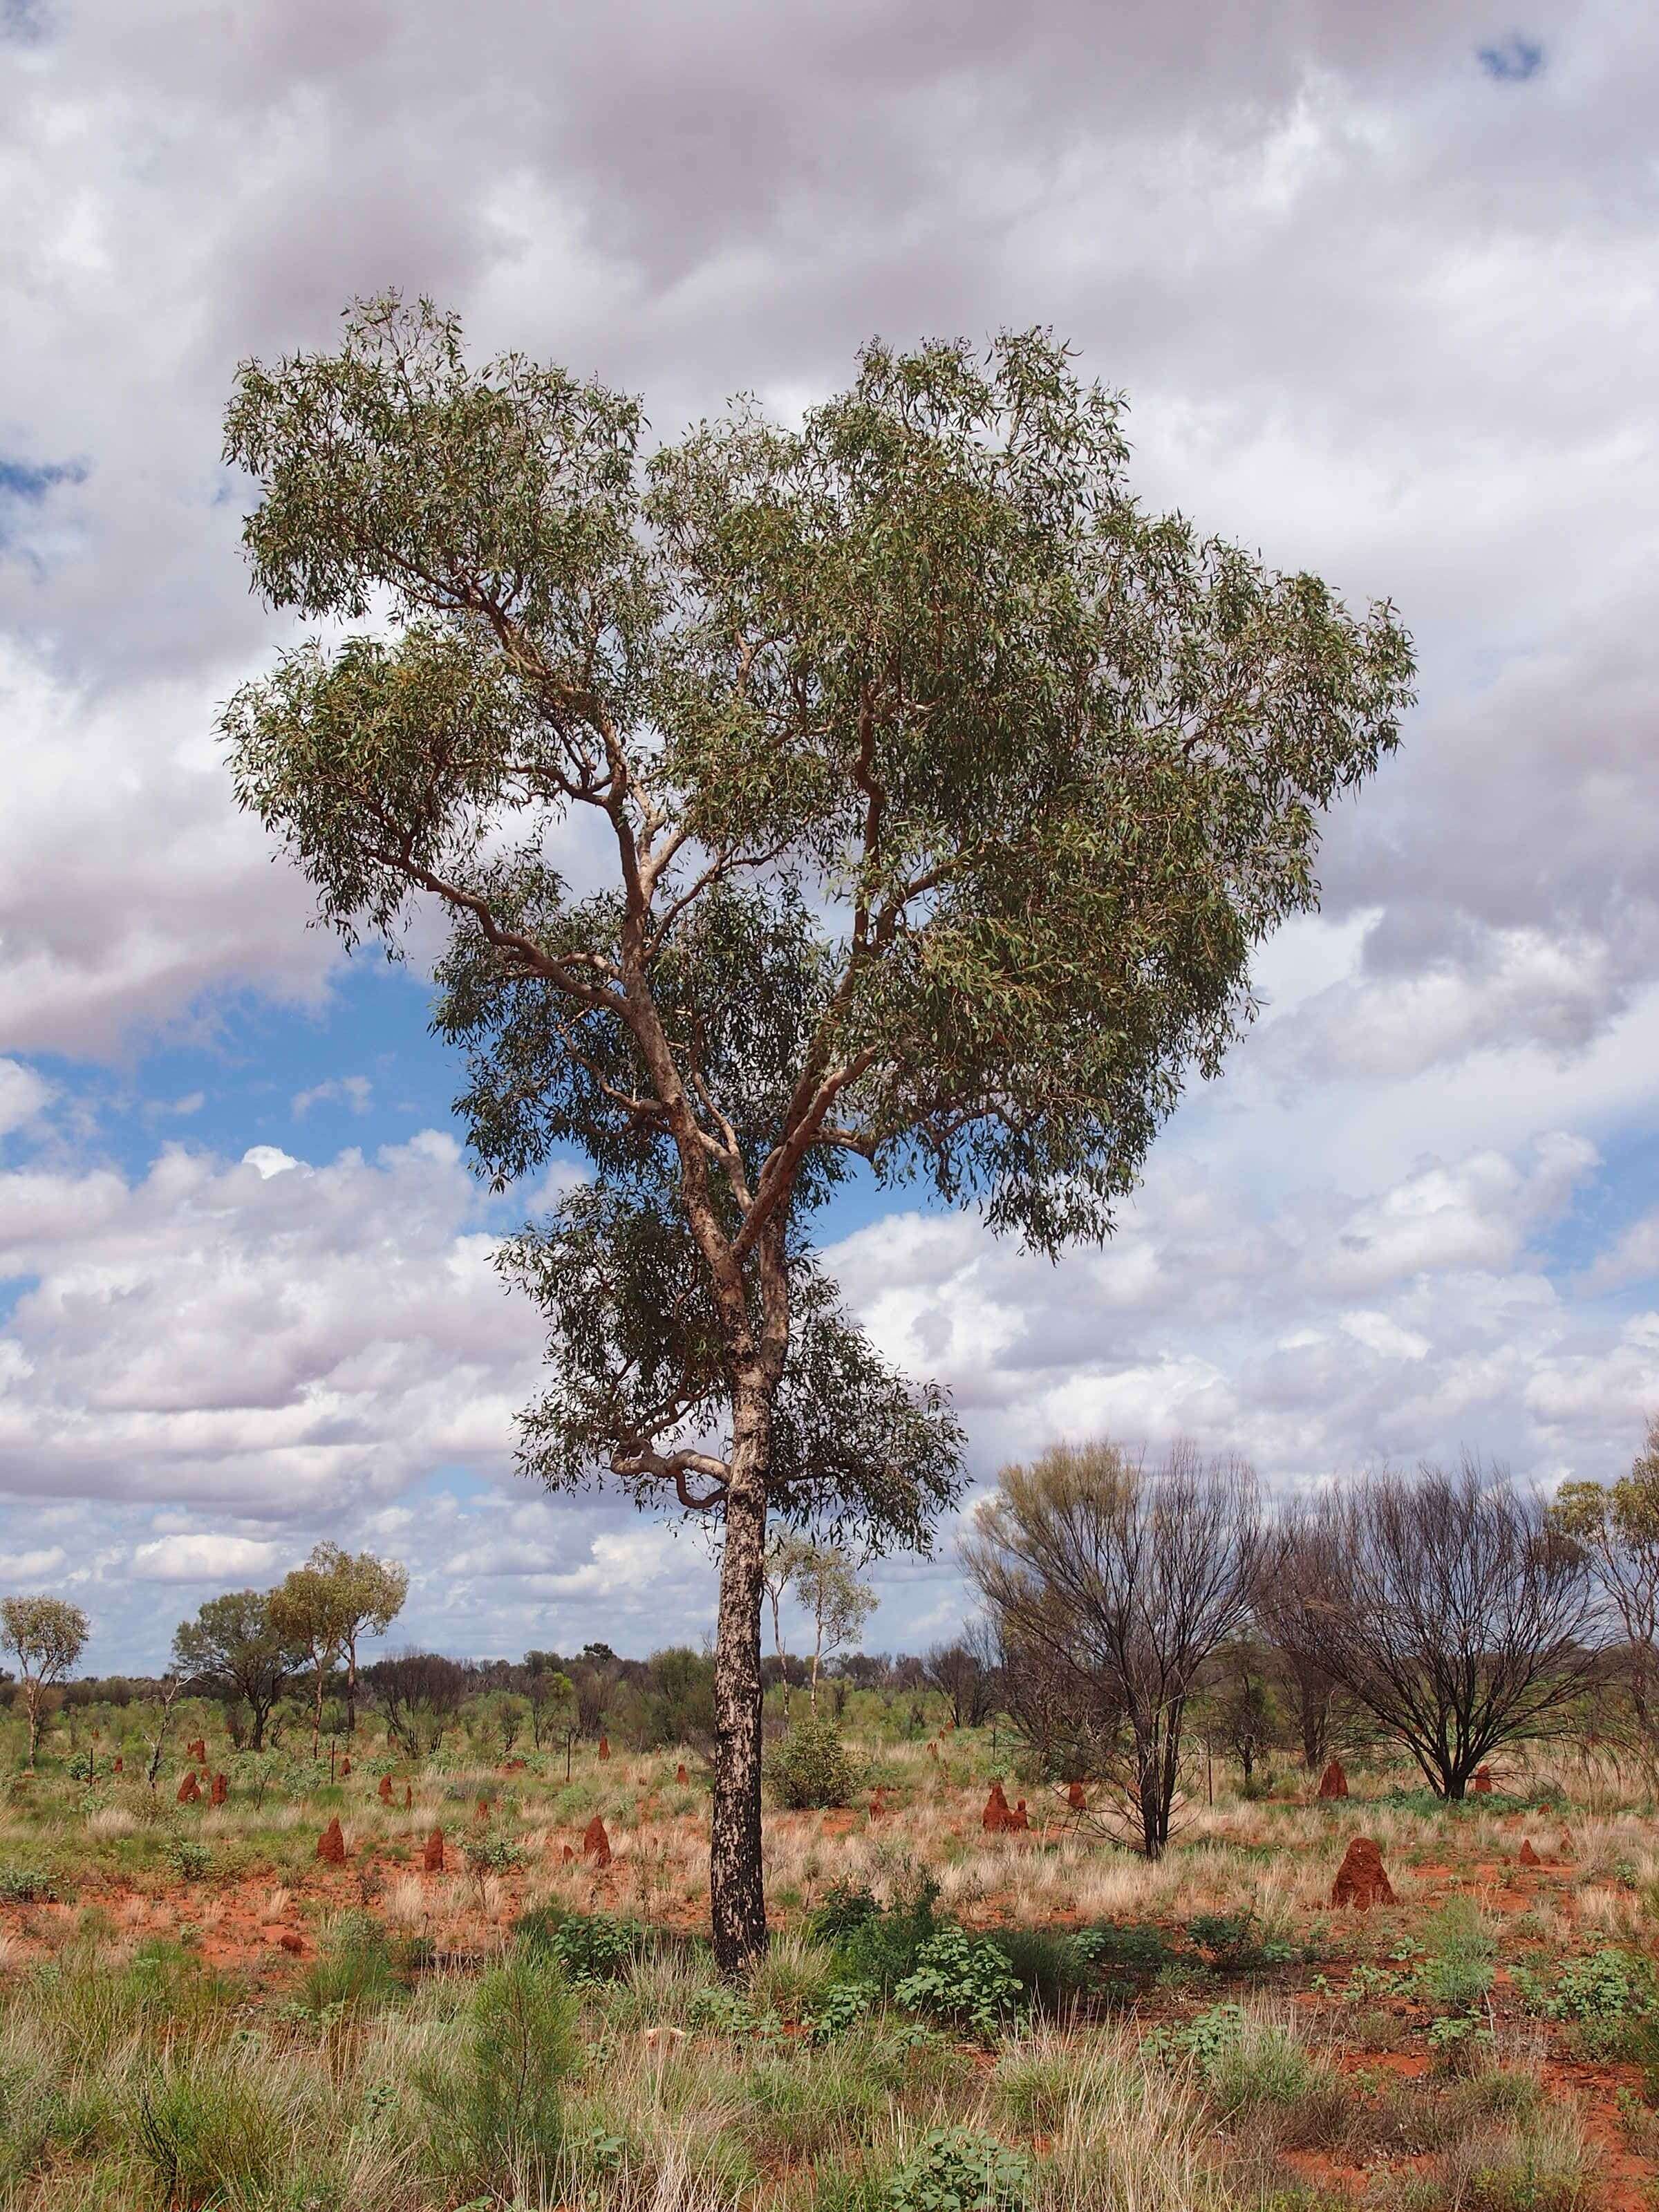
(889, 789)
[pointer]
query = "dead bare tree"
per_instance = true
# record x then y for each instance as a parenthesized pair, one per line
(1111, 1585)
(963, 1675)
(1446, 1604)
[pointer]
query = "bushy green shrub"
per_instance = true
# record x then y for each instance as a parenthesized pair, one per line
(589, 1947)
(811, 1767)
(845, 1905)
(1130, 1947)
(1051, 1966)
(190, 1860)
(882, 1946)
(963, 1980)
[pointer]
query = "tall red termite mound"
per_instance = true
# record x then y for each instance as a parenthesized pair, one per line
(331, 1845)
(596, 1845)
(1333, 1782)
(432, 1858)
(189, 1790)
(1360, 1880)
(996, 1817)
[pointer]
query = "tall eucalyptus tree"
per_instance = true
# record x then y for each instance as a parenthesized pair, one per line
(936, 795)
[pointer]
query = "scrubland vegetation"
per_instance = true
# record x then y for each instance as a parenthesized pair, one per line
(195, 2011)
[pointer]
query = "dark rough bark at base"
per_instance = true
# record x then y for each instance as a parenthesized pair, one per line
(736, 1881)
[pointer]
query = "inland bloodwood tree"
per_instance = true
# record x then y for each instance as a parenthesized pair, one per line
(887, 790)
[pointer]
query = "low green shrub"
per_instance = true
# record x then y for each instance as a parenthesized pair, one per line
(588, 1948)
(811, 1767)
(882, 1946)
(27, 1886)
(964, 1981)
(845, 1905)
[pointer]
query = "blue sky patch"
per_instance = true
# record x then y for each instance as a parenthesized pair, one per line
(1511, 60)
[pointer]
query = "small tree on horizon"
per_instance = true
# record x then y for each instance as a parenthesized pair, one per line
(1616, 1529)
(889, 794)
(232, 1649)
(310, 1611)
(45, 1636)
(370, 1593)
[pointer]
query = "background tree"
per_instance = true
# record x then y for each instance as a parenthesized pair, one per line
(1241, 1703)
(311, 1610)
(836, 1603)
(1111, 1586)
(1447, 1604)
(786, 1551)
(938, 794)
(47, 1637)
(371, 1592)
(1617, 1531)
(420, 1693)
(595, 1676)
(552, 1698)
(162, 1696)
(233, 1652)
(1305, 1687)
(967, 1682)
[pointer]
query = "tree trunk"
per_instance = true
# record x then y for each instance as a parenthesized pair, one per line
(351, 1690)
(736, 1881)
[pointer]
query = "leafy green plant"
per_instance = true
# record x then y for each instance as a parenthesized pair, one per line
(1608, 1984)
(492, 1853)
(1233, 1942)
(963, 1980)
(589, 1947)
(189, 1859)
(1458, 2042)
(839, 2007)
(845, 1905)
(957, 2170)
(27, 1886)
(811, 1767)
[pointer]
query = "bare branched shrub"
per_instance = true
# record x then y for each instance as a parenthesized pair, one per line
(1447, 1604)
(1111, 1584)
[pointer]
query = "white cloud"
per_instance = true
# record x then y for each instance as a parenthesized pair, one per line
(44, 1563)
(219, 1560)
(23, 1096)
(268, 1160)
(354, 1091)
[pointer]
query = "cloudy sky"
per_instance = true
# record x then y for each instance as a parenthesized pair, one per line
(1380, 282)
